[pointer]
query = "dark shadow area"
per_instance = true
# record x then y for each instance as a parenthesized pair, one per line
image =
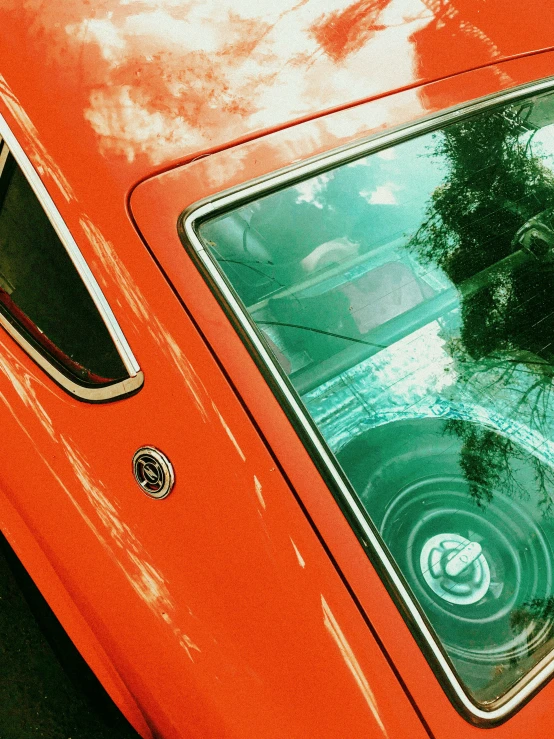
(39, 697)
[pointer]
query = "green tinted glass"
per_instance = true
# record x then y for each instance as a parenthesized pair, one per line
(409, 297)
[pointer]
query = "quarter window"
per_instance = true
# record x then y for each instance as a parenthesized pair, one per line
(408, 295)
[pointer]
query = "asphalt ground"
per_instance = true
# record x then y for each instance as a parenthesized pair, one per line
(37, 697)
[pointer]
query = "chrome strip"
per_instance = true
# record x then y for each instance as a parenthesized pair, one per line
(528, 685)
(106, 392)
(92, 394)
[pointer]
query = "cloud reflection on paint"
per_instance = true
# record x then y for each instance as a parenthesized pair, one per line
(181, 75)
(162, 80)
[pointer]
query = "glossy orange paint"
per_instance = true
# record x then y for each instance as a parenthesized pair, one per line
(218, 607)
(216, 612)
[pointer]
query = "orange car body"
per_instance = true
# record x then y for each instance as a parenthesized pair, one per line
(242, 605)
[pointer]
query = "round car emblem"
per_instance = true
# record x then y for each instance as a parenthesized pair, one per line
(153, 471)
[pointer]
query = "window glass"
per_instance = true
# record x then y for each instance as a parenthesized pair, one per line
(42, 294)
(409, 297)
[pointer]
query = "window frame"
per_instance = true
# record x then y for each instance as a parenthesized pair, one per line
(190, 218)
(104, 393)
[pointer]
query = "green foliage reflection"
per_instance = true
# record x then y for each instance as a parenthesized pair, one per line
(475, 225)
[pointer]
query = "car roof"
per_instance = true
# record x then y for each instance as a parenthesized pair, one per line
(145, 84)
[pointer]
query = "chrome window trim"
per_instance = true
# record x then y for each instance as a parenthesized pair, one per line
(91, 394)
(502, 708)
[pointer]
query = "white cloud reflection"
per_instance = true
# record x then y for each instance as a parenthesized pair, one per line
(182, 75)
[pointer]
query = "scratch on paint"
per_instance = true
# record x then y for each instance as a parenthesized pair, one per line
(258, 488)
(188, 644)
(300, 558)
(146, 580)
(86, 519)
(105, 509)
(352, 663)
(150, 585)
(185, 368)
(229, 433)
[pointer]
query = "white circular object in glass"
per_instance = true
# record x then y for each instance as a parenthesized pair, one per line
(455, 568)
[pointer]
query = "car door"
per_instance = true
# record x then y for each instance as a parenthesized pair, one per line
(208, 608)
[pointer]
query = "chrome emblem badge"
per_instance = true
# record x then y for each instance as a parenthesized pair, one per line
(153, 471)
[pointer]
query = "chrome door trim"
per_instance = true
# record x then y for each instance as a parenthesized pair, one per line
(501, 709)
(91, 394)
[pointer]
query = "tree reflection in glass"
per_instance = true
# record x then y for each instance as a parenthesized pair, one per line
(475, 220)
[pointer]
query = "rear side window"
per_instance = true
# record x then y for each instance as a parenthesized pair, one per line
(408, 295)
(42, 296)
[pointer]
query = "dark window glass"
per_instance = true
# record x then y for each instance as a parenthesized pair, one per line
(409, 296)
(41, 292)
